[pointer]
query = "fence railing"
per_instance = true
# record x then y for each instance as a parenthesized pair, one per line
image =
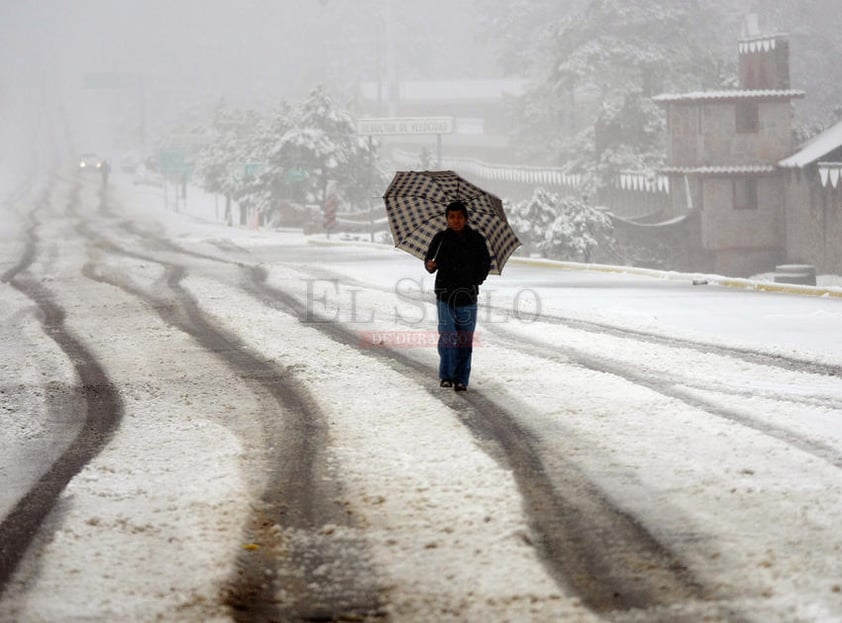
(634, 194)
(635, 180)
(507, 181)
(535, 176)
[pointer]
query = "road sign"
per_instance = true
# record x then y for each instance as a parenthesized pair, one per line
(295, 175)
(173, 162)
(253, 169)
(404, 125)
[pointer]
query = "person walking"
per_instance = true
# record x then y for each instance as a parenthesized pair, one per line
(459, 255)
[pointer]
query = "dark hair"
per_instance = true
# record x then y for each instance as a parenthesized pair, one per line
(457, 206)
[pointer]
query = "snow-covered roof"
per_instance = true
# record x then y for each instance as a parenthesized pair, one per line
(818, 146)
(731, 169)
(450, 89)
(730, 95)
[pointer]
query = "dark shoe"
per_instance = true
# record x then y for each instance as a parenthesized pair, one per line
(459, 387)
(445, 383)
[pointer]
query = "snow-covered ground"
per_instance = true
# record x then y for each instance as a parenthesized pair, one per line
(727, 460)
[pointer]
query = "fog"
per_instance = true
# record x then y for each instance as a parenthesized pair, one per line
(90, 75)
(114, 76)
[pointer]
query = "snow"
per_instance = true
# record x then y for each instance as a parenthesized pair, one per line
(418, 446)
(150, 529)
(813, 149)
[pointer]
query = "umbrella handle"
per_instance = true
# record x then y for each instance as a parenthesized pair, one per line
(437, 251)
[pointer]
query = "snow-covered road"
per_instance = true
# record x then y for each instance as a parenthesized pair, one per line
(210, 423)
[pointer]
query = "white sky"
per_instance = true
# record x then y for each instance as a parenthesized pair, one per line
(187, 56)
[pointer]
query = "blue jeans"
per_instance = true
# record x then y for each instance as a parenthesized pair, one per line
(456, 339)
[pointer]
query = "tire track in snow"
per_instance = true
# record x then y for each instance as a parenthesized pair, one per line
(784, 362)
(667, 388)
(103, 410)
(792, 364)
(289, 528)
(589, 546)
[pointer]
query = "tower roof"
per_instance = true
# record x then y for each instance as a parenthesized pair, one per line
(729, 95)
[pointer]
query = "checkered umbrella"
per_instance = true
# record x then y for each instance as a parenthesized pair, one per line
(415, 206)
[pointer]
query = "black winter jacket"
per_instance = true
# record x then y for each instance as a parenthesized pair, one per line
(463, 263)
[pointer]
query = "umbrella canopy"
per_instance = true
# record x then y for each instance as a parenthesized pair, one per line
(415, 207)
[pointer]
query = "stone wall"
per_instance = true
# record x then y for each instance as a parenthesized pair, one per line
(813, 221)
(683, 134)
(764, 63)
(718, 142)
(724, 227)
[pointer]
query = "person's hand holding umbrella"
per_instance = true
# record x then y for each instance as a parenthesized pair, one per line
(415, 206)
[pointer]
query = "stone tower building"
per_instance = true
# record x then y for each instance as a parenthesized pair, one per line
(723, 148)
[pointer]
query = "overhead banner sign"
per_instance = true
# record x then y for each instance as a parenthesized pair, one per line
(404, 125)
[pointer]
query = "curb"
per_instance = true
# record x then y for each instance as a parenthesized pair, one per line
(695, 278)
